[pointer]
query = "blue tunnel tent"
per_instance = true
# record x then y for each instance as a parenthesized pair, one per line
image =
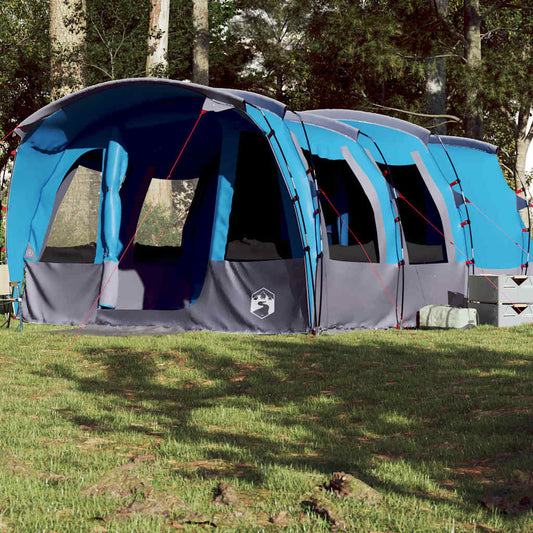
(160, 203)
(245, 257)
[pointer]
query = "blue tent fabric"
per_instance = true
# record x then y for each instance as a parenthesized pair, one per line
(299, 221)
(494, 219)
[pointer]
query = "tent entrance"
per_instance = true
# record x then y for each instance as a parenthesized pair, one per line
(165, 267)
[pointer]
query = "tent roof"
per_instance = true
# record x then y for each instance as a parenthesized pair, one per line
(258, 100)
(316, 119)
(153, 90)
(380, 120)
(464, 142)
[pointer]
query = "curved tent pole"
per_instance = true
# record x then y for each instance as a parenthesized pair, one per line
(296, 202)
(320, 255)
(465, 202)
(517, 177)
(401, 263)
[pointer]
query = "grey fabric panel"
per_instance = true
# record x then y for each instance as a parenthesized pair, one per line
(109, 295)
(375, 118)
(30, 254)
(225, 303)
(163, 286)
(258, 100)
(465, 142)
(60, 293)
(432, 284)
(356, 298)
(122, 331)
(305, 163)
(439, 202)
(131, 290)
(323, 122)
(371, 157)
(372, 197)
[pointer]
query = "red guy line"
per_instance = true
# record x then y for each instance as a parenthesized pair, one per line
(202, 113)
(501, 229)
(373, 267)
(10, 133)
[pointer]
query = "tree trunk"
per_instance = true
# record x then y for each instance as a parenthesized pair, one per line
(156, 58)
(67, 40)
(472, 33)
(524, 137)
(435, 69)
(200, 63)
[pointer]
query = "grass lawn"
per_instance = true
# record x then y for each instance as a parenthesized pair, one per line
(134, 434)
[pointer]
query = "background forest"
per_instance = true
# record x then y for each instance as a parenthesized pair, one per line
(458, 66)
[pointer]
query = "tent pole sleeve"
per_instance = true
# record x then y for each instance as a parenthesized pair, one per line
(226, 180)
(115, 167)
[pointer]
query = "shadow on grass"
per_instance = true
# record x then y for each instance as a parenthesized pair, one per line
(448, 419)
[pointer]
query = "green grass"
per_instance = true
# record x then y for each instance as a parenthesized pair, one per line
(433, 430)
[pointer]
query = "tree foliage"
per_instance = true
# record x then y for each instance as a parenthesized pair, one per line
(364, 54)
(25, 53)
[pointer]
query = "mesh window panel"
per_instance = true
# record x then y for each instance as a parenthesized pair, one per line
(74, 230)
(163, 216)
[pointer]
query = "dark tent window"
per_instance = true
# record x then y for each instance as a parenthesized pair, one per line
(73, 229)
(258, 227)
(351, 226)
(424, 240)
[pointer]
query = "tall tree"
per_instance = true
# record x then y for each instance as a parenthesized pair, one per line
(435, 69)
(200, 63)
(67, 39)
(473, 58)
(156, 59)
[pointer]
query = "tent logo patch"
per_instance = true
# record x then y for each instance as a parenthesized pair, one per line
(262, 303)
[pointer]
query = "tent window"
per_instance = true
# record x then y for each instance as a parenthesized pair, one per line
(258, 228)
(424, 240)
(163, 215)
(342, 187)
(73, 229)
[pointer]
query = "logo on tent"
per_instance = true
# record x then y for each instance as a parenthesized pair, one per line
(262, 303)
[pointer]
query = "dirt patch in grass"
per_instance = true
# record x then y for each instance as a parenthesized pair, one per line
(217, 468)
(9, 464)
(156, 504)
(121, 482)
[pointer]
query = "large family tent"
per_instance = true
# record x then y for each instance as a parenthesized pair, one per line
(160, 203)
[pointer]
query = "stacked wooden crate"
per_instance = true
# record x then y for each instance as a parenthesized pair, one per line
(502, 300)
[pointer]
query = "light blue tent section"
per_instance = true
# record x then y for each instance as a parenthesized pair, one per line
(331, 140)
(498, 235)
